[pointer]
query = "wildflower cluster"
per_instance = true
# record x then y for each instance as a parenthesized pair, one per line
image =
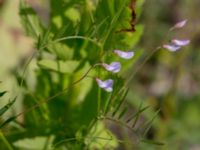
(176, 44)
(113, 67)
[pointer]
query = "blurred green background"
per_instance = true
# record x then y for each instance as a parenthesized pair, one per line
(169, 81)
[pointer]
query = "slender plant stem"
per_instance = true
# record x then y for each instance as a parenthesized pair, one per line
(46, 144)
(74, 37)
(142, 64)
(5, 141)
(26, 66)
(99, 102)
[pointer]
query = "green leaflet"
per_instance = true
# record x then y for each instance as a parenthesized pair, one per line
(34, 143)
(62, 51)
(30, 20)
(59, 66)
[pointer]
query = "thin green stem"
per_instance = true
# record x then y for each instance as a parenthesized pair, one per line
(74, 37)
(141, 65)
(98, 98)
(26, 66)
(5, 141)
(99, 102)
(108, 102)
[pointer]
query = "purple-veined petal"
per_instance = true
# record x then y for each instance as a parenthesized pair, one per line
(180, 42)
(107, 85)
(113, 67)
(180, 24)
(171, 47)
(123, 54)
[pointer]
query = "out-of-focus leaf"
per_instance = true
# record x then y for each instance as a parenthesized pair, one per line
(101, 138)
(62, 51)
(2, 93)
(59, 66)
(37, 143)
(30, 20)
(120, 25)
(131, 39)
(138, 8)
(6, 107)
(84, 87)
(73, 14)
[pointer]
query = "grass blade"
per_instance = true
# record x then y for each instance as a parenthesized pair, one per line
(137, 113)
(149, 123)
(122, 113)
(120, 103)
(7, 121)
(152, 142)
(6, 107)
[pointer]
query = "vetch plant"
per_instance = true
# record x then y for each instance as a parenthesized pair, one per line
(65, 57)
(176, 44)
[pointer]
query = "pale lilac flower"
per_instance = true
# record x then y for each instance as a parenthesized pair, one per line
(123, 54)
(107, 85)
(180, 24)
(113, 67)
(171, 47)
(180, 42)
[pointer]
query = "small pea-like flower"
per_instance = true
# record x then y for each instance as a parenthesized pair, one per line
(180, 42)
(176, 44)
(123, 54)
(179, 24)
(107, 85)
(113, 67)
(171, 47)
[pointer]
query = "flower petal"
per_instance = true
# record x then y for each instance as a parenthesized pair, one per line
(180, 42)
(171, 47)
(113, 67)
(107, 85)
(123, 54)
(180, 24)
